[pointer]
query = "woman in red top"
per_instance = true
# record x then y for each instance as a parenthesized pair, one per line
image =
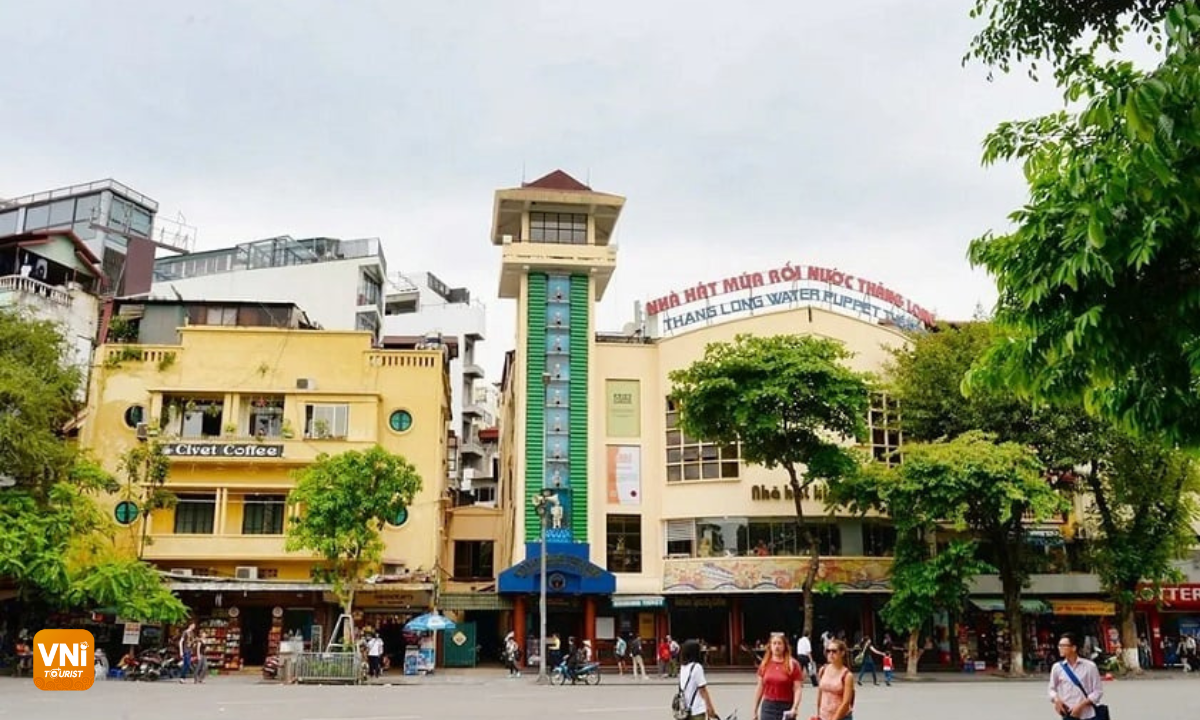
(780, 682)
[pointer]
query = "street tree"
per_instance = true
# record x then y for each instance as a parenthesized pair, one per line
(55, 541)
(340, 505)
(1099, 276)
(791, 402)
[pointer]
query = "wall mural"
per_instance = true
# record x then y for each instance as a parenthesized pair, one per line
(773, 574)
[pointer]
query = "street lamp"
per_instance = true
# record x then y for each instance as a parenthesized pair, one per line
(542, 503)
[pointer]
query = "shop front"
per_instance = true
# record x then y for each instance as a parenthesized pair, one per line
(733, 604)
(575, 590)
(385, 608)
(483, 617)
(1170, 614)
(627, 616)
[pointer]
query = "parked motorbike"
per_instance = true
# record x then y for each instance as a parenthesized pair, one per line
(588, 673)
(270, 669)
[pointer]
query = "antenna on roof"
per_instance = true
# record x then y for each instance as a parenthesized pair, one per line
(588, 180)
(522, 172)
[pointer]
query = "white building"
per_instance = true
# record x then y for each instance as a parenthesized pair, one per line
(421, 306)
(338, 283)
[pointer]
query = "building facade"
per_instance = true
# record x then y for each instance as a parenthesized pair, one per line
(339, 283)
(238, 407)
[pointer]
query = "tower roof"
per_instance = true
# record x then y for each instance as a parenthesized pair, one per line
(557, 180)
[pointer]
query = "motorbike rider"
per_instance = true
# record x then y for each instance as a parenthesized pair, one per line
(573, 652)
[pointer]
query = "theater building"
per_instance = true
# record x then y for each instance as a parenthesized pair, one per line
(655, 532)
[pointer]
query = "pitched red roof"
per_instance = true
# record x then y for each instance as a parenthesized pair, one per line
(558, 180)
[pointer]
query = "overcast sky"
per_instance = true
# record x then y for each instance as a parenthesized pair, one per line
(743, 135)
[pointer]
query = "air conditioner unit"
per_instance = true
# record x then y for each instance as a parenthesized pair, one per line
(306, 383)
(181, 572)
(246, 572)
(143, 431)
(506, 239)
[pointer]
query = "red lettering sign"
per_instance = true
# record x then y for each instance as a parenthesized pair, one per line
(1172, 597)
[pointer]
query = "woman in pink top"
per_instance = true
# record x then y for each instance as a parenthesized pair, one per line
(835, 690)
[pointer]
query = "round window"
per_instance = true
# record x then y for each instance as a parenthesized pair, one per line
(400, 421)
(135, 414)
(400, 518)
(126, 512)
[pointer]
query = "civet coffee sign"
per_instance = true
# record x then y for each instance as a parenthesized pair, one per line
(781, 288)
(223, 450)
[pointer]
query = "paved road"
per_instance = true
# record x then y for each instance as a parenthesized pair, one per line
(498, 698)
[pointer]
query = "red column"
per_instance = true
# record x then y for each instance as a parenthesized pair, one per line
(589, 618)
(735, 628)
(519, 623)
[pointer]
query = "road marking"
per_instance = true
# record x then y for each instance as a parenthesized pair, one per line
(367, 717)
(620, 709)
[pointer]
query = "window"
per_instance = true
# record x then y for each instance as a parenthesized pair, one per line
(8, 223)
(400, 421)
(194, 514)
(326, 421)
(564, 228)
(119, 213)
(879, 539)
(265, 416)
(134, 415)
(62, 213)
(263, 514)
(485, 494)
(190, 417)
(883, 421)
(730, 537)
(624, 543)
(681, 538)
(690, 459)
(37, 217)
(221, 316)
(369, 290)
(473, 560)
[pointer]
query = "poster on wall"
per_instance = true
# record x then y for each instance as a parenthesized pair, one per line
(624, 475)
(623, 405)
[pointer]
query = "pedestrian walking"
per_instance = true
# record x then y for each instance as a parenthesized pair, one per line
(835, 686)
(199, 660)
(635, 654)
(375, 655)
(780, 682)
(888, 669)
(867, 651)
(186, 641)
(804, 655)
(693, 685)
(512, 655)
(1075, 687)
(620, 650)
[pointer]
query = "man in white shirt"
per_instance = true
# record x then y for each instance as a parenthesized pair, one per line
(375, 655)
(804, 656)
(1071, 699)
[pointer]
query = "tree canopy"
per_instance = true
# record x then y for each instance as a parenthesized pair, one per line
(342, 503)
(790, 401)
(1099, 280)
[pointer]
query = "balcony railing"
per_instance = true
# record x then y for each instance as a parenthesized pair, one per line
(28, 287)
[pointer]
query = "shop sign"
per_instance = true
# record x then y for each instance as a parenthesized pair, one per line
(781, 287)
(223, 450)
(132, 634)
(1091, 608)
(700, 602)
(1173, 597)
(777, 492)
(556, 562)
(623, 408)
(773, 574)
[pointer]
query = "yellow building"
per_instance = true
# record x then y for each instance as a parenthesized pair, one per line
(241, 396)
(654, 532)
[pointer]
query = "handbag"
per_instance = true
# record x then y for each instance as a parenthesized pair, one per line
(681, 710)
(1101, 710)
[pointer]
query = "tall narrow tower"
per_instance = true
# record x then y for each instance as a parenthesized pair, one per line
(557, 262)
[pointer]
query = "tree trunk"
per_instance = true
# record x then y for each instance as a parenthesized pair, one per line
(1016, 629)
(814, 551)
(1129, 637)
(1011, 582)
(914, 652)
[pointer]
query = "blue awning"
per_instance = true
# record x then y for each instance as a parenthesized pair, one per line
(568, 572)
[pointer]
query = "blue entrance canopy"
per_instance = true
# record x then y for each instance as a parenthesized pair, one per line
(568, 572)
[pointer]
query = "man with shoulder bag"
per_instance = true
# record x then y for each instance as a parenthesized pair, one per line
(1075, 685)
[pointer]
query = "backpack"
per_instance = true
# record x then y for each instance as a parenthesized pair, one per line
(635, 648)
(681, 709)
(621, 648)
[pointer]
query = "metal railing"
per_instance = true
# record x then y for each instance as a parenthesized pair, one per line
(29, 286)
(83, 189)
(328, 667)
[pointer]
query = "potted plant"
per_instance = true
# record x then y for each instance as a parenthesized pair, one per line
(320, 429)
(231, 429)
(286, 430)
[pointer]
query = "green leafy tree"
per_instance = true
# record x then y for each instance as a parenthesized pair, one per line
(132, 587)
(146, 469)
(1059, 31)
(791, 402)
(342, 503)
(1100, 276)
(984, 489)
(1142, 505)
(925, 578)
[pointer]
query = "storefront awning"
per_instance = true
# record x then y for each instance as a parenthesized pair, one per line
(1028, 606)
(568, 572)
(245, 586)
(473, 601)
(638, 601)
(394, 596)
(1093, 608)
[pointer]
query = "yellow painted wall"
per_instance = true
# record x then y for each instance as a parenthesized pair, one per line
(650, 364)
(240, 363)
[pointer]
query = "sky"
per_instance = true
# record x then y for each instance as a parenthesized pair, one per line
(743, 135)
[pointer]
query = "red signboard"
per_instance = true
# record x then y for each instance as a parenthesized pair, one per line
(1172, 597)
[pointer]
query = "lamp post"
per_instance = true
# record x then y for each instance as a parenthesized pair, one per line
(543, 501)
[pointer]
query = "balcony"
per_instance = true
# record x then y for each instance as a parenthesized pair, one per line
(772, 574)
(474, 409)
(520, 258)
(212, 548)
(470, 445)
(20, 290)
(472, 370)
